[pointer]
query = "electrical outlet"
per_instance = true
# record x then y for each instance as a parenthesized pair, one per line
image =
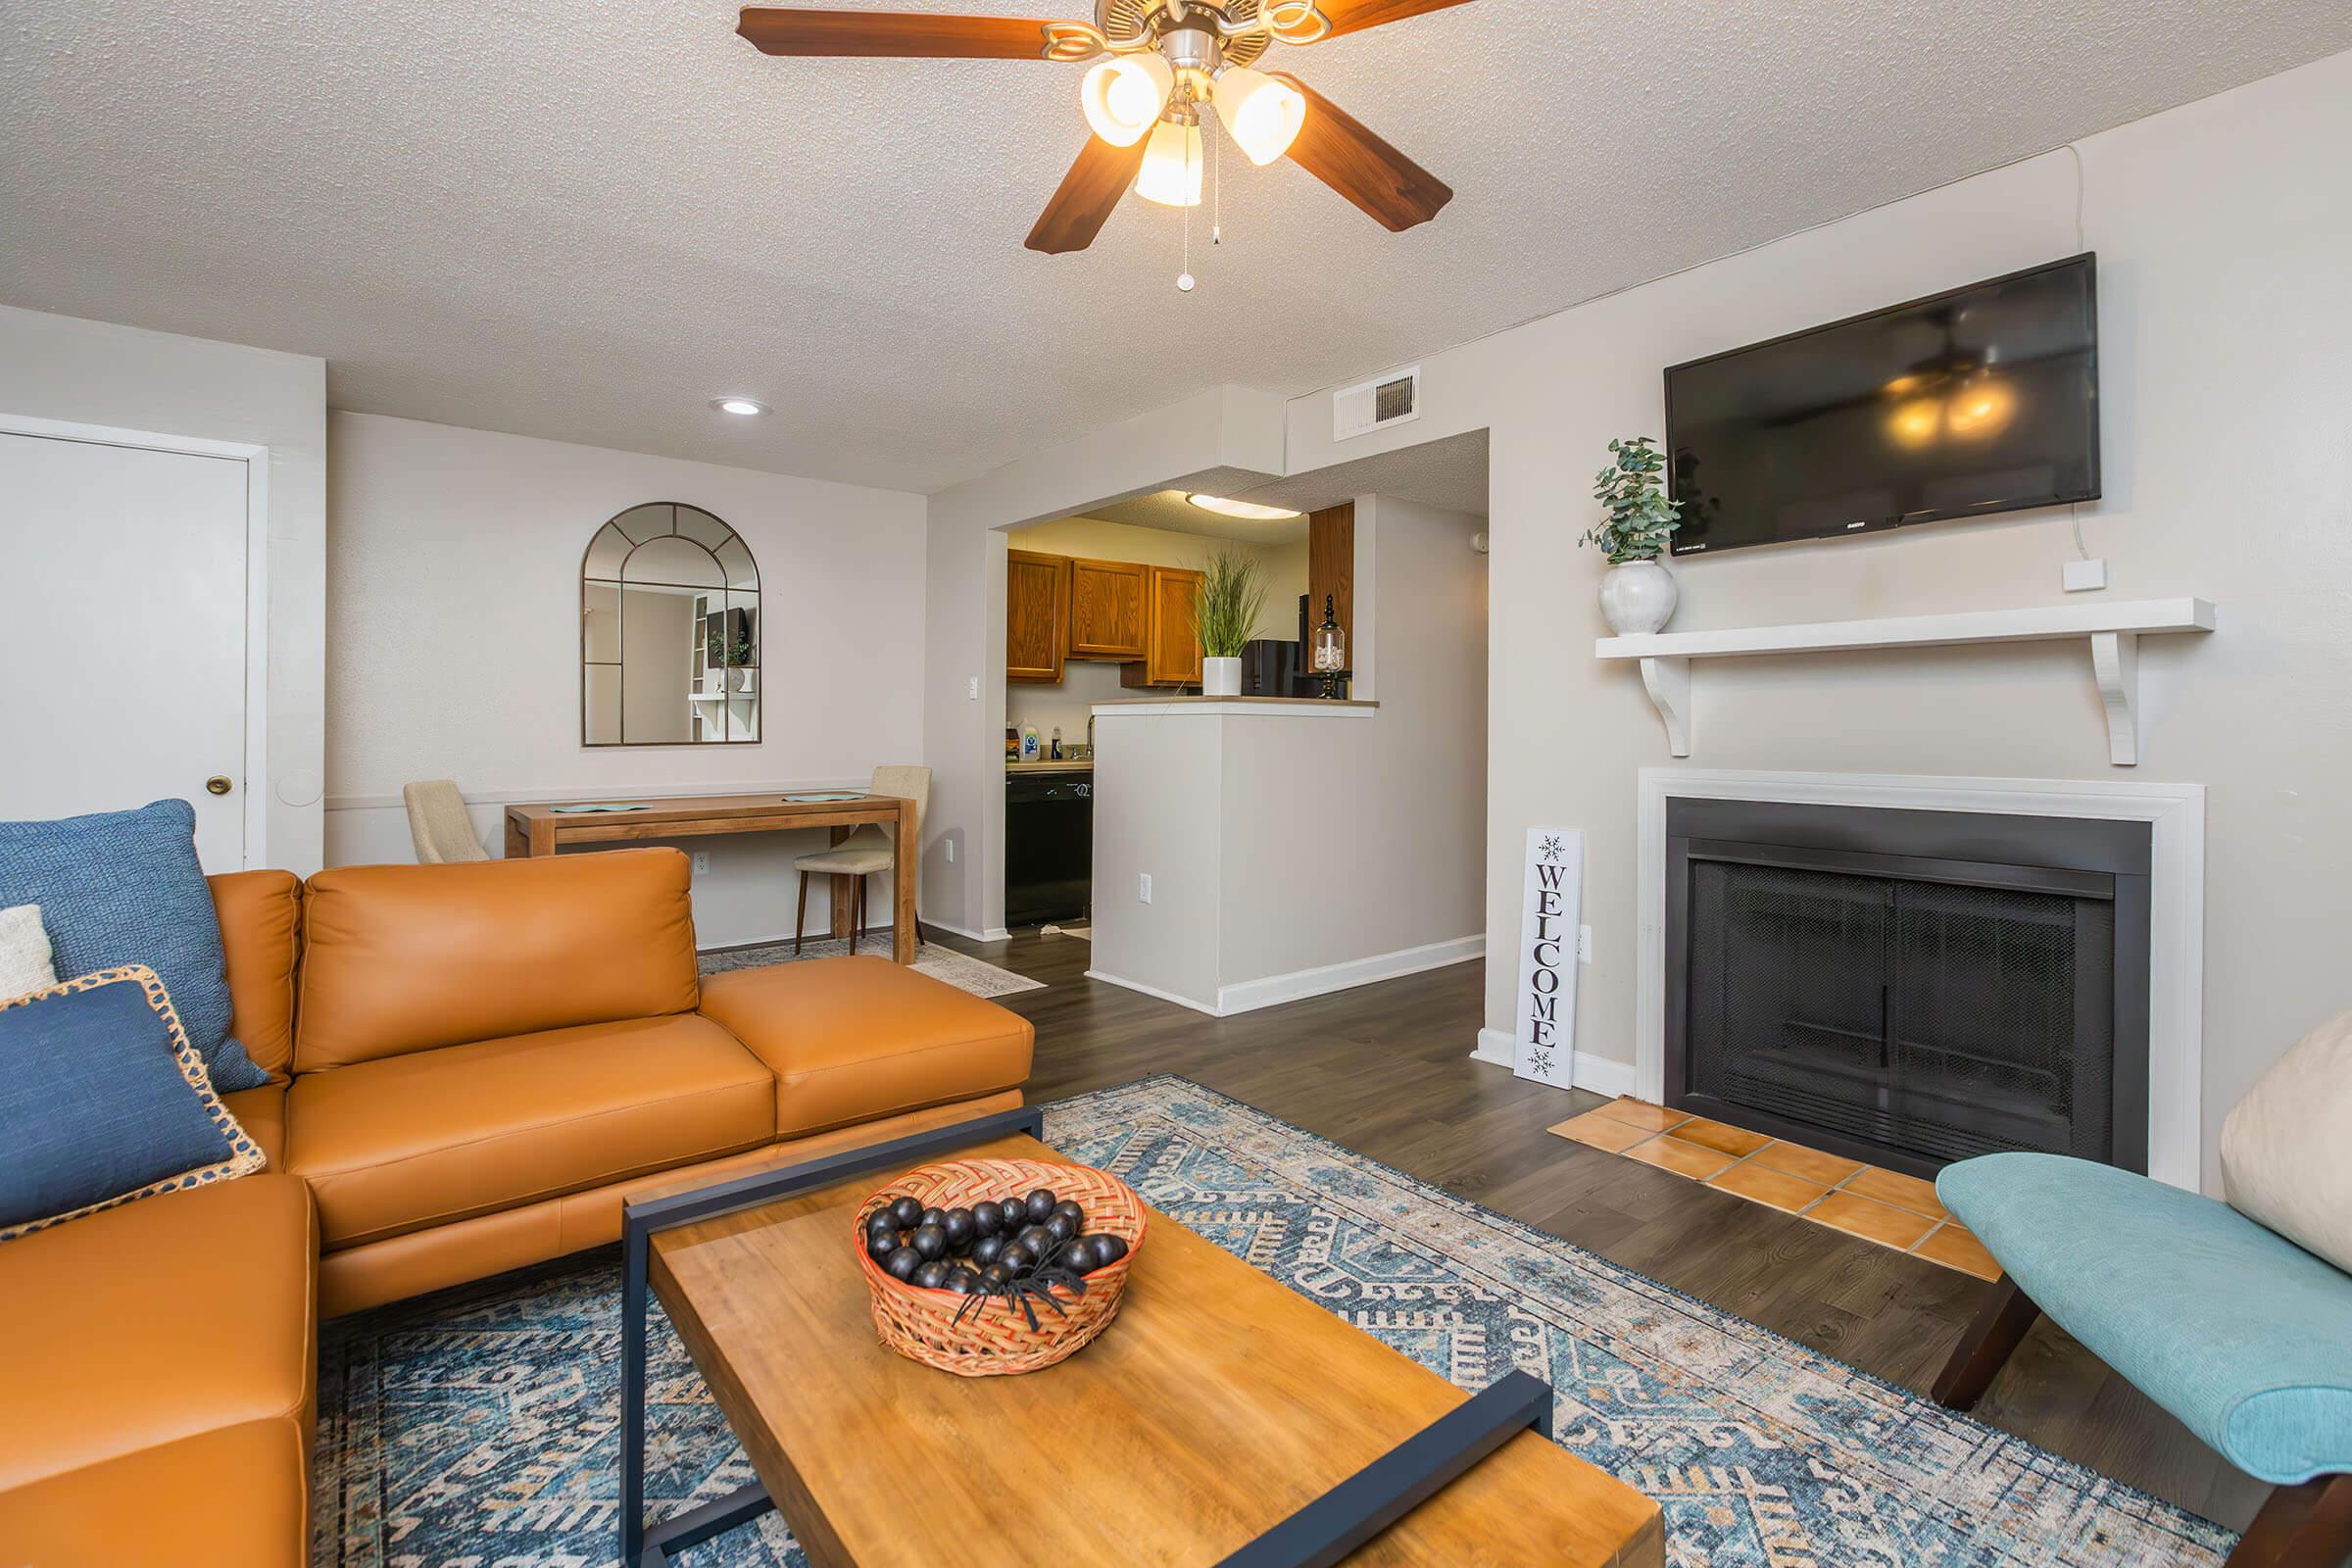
(702, 862)
(1583, 944)
(2083, 576)
(951, 844)
(1143, 889)
(973, 689)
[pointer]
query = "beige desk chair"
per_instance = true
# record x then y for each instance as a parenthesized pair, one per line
(438, 821)
(869, 849)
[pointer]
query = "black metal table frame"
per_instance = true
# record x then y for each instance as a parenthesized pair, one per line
(1322, 1533)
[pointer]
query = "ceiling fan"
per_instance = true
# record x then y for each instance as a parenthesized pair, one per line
(1170, 62)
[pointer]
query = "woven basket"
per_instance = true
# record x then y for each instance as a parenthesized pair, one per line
(995, 1339)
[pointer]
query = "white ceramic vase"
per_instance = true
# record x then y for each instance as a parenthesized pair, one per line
(1220, 677)
(1636, 597)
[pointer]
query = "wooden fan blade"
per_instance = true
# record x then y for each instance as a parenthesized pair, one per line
(1335, 148)
(1086, 196)
(1355, 15)
(777, 30)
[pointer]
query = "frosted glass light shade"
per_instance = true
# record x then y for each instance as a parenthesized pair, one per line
(1263, 115)
(1123, 98)
(1171, 172)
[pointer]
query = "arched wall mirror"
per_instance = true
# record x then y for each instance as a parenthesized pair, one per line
(669, 631)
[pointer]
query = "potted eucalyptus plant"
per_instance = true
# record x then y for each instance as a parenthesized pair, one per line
(1225, 609)
(1638, 521)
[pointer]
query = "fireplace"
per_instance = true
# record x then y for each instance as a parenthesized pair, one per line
(1909, 986)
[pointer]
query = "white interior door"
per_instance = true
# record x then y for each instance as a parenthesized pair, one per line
(122, 629)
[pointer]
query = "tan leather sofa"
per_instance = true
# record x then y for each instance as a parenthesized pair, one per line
(472, 1066)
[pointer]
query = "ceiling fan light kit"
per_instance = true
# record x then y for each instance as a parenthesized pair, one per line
(1123, 98)
(1263, 116)
(1168, 60)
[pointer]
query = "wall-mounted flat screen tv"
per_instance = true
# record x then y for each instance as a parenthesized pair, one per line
(1983, 399)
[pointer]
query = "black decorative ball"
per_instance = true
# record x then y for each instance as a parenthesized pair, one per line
(1039, 1204)
(903, 1263)
(1037, 1239)
(881, 1244)
(987, 1218)
(986, 1248)
(1077, 1216)
(964, 1281)
(957, 1223)
(1060, 1226)
(932, 1275)
(930, 1241)
(1016, 1258)
(933, 1216)
(906, 1213)
(880, 1219)
(995, 1276)
(1108, 1249)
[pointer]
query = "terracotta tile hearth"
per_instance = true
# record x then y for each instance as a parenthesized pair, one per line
(1884, 1206)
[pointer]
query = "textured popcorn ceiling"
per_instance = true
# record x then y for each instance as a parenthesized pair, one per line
(583, 219)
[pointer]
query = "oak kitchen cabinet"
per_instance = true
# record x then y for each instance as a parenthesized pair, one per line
(1172, 645)
(1037, 616)
(1109, 609)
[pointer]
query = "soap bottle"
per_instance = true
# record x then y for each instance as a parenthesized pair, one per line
(1058, 743)
(1028, 742)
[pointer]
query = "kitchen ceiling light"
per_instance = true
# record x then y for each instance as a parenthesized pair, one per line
(1250, 510)
(1263, 115)
(742, 406)
(1123, 98)
(1171, 172)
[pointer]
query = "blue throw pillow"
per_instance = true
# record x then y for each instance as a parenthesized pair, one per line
(125, 887)
(102, 1101)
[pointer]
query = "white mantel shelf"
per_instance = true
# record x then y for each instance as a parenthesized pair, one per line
(2113, 631)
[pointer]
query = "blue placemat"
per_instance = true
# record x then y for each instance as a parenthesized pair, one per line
(829, 794)
(597, 805)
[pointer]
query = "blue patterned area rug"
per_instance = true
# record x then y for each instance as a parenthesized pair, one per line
(479, 1428)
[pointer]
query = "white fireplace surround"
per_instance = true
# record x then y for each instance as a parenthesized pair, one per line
(2176, 818)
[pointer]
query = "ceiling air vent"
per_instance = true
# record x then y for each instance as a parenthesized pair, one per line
(1376, 403)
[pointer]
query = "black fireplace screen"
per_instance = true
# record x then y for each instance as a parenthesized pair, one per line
(1907, 1010)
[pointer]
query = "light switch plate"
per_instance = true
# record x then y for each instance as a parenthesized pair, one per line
(951, 844)
(2083, 576)
(1143, 888)
(973, 689)
(1583, 944)
(702, 862)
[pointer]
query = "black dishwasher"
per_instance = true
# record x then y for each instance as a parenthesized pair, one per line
(1048, 847)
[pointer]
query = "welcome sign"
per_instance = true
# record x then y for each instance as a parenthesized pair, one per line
(1545, 1003)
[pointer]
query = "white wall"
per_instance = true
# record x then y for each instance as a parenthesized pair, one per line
(1297, 852)
(1222, 441)
(1381, 824)
(2224, 230)
(1086, 682)
(94, 372)
(453, 638)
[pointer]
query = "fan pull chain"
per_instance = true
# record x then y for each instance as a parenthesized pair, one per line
(1216, 193)
(1185, 282)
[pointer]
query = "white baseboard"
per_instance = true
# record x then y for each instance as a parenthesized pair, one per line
(999, 934)
(1152, 990)
(1276, 989)
(1597, 1074)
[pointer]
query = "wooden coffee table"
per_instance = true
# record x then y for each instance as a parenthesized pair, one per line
(1220, 1419)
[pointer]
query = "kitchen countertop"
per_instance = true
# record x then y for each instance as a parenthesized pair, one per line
(1082, 766)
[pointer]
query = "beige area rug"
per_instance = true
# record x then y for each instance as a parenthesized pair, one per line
(958, 969)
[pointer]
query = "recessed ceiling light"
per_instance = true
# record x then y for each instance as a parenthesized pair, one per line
(743, 406)
(1241, 509)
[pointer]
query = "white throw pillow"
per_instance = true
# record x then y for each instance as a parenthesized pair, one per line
(2286, 1149)
(25, 964)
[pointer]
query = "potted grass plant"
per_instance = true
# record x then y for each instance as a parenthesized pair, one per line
(1225, 609)
(1636, 524)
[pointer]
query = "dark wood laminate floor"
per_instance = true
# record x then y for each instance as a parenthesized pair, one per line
(1385, 1070)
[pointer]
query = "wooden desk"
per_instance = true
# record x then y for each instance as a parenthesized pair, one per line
(538, 829)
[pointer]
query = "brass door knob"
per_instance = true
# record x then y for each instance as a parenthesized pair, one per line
(218, 784)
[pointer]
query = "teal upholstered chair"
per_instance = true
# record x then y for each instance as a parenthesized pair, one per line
(2243, 1335)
